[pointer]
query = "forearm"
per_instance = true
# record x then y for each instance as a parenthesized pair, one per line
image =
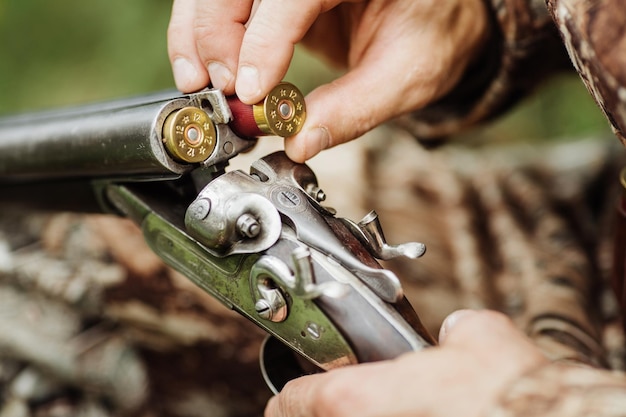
(523, 48)
(594, 33)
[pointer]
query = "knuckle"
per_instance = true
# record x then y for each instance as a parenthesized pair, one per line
(336, 398)
(289, 396)
(295, 152)
(204, 32)
(321, 400)
(176, 38)
(172, 32)
(173, 45)
(259, 40)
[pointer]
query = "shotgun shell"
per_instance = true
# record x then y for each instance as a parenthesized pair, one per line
(189, 135)
(281, 113)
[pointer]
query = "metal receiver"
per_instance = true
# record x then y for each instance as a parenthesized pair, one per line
(261, 242)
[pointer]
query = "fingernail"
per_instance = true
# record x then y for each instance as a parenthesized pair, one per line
(220, 75)
(450, 322)
(317, 140)
(248, 84)
(185, 74)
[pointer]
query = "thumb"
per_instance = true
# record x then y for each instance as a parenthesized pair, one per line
(336, 113)
(491, 336)
(451, 322)
(351, 106)
(479, 328)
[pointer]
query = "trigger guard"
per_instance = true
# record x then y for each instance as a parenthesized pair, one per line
(279, 364)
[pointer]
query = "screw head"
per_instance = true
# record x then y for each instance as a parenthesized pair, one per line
(263, 309)
(200, 209)
(248, 226)
(314, 330)
(316, 192)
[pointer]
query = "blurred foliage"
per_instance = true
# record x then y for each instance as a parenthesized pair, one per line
(55, 54)
(561, 109)
(75, 51)
(71, 52)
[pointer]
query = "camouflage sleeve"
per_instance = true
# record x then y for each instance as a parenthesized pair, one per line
(594, 33)
(526, 46)
(564, 390)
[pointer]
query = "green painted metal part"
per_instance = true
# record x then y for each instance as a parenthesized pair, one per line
(228, 280)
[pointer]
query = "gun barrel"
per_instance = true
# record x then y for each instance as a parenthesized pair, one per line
(113, 139)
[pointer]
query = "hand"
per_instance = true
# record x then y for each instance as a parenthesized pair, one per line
(400, 55)
(480, 354)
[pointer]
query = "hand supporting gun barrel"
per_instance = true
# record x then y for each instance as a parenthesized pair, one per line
(260, 242)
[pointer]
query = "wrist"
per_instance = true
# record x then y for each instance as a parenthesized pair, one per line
(521, 48)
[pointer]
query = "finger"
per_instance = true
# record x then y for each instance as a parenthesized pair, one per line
(494, 337)
(219, 29)
(272, 408)
(268, 44)
(331, 393)
(296, 399)
(450, 322)
(189, 72)
(364, 390)
(465, 325)
(388, 79)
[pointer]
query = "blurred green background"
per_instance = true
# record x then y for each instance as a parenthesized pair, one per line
(76, 51)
